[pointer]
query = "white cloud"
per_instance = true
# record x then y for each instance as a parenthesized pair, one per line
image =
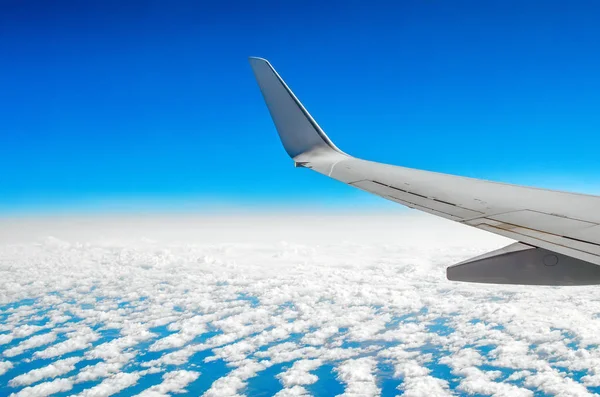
(112, 385)
(53, 370)
(45, 389)
(5, 366)
(416, 378)
(299, 373)
(77, 340)
(476, 381)
(98, 371)
(358, 376)
(188, 331)
(114, 351)
(25, 330)
(425, 386)
(173, 382)
(295, 391)
(5, 339)
(31, 343)
(554, 383)
(235, 380)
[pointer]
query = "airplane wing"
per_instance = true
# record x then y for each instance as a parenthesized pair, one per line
(557, 233)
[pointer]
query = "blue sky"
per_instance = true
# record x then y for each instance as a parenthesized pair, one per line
(144, 104)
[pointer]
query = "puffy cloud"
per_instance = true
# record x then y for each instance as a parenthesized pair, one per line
(188, 331)
(5, 339)
(77, 340)
(45, 389)
(173, 382)
(31, 343)
(299, 373)
(476, 382)
(53, 370)
(555, 383)
(98, 371)
(5, 366)
(425, 386)
(295, 391)
(114, 384)
(25, 330)
(235, 381)
(416, 378)
(358, 376)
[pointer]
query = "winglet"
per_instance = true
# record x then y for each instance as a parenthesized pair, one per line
(298, 131)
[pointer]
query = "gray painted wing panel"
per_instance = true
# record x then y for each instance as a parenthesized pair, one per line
(406, 196)
(474, 194)
(541, 221)
(576, 249)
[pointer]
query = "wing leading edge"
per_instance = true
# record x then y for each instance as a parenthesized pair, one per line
(559, 232)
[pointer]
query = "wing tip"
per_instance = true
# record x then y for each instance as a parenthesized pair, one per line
(259, 59)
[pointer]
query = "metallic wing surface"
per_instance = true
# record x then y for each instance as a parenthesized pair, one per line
(558, 233)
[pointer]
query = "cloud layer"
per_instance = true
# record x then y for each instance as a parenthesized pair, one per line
(287, 305)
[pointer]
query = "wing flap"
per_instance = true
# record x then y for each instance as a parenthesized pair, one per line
(546, 222)
(576, 249)
(522, 264)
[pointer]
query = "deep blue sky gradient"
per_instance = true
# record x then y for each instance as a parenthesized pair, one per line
(153, 103)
